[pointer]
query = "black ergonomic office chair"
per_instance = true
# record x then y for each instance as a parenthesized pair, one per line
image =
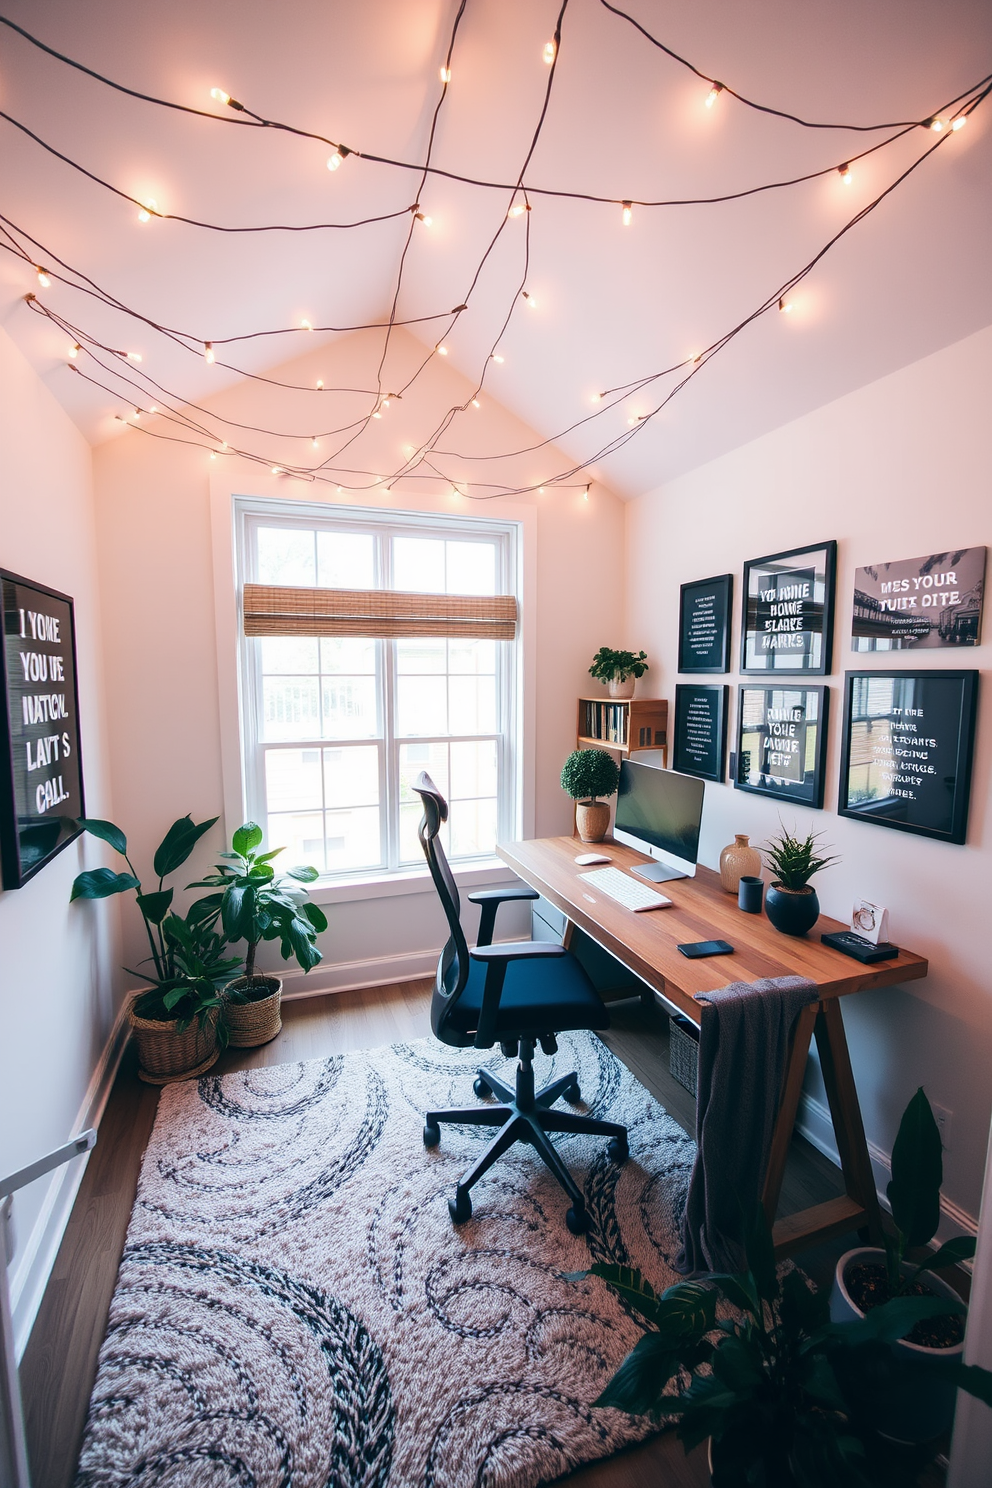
(518, 995)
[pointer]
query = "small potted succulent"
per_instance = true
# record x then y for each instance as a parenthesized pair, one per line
(619, 670)
(586, 775)
(791, 903)
(912, 1395)
(176, 1021)
(254, 904)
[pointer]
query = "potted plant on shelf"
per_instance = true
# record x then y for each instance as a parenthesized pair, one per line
(176, 1020)
(913, 1398)
(773, 1383)
(253, 905)
(586, 775)
(619, 670)
(791, 902)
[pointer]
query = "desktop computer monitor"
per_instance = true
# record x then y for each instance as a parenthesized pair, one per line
(659, 812)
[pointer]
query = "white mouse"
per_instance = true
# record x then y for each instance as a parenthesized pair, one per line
(584, 859)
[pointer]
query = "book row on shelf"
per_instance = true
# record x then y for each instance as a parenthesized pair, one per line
(606, 721)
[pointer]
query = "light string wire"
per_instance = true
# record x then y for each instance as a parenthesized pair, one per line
(246, 117)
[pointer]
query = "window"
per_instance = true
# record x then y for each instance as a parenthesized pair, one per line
(337, 728)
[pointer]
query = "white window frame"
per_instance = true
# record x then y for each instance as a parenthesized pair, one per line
(231, 513)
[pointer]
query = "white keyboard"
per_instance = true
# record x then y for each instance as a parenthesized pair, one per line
(624, 889)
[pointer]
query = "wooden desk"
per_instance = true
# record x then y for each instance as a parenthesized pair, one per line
(702, 910)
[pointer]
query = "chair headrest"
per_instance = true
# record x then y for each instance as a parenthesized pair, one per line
(431, 797)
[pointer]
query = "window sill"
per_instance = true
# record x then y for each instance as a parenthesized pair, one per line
(408, 881)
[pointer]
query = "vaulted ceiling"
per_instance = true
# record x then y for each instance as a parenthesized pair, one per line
(613, 304)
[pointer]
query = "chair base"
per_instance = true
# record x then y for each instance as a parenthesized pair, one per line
(524, 1115)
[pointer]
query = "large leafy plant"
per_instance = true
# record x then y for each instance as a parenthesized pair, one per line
(794, 860)
(774, 1382)
(914, 1196)
(187, 965)
(254, 904)
(609, 665)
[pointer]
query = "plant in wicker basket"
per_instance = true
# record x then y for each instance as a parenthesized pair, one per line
(254, 904)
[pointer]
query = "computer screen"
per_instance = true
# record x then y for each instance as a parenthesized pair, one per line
(659, 812)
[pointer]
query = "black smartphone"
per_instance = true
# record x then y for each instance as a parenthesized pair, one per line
(698, 948)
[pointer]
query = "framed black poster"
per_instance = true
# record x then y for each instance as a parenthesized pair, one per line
(781, 738)
(41, 774)
(704, 624)
(918, 604)
(788, 613)
(906, 751)
(700, 730)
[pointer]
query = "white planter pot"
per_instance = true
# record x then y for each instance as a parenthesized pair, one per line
(921, 1407)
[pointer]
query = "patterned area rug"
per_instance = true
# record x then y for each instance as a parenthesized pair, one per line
(294, 1306)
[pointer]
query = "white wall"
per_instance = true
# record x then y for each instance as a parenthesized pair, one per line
(154, 533)
(57, 963)
(896, 470)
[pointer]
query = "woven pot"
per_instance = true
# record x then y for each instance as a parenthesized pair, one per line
(592, 820)
(252, 1023)
(621, 687)
(167, 1053)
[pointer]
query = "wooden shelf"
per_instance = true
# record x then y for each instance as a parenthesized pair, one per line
(622, 724)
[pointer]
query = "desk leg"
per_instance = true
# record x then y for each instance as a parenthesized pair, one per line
(792, 1084)
(845, 1112)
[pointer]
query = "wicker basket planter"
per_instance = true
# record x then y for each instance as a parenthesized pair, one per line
(167, 1053)
(252, 1023)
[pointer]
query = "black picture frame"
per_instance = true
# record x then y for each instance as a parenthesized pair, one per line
(704, 625)
(784, 630)
(916, 731)
(781, 741)
(700, 737)
(39, 728)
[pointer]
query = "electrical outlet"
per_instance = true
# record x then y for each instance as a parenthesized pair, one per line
(943, 1118)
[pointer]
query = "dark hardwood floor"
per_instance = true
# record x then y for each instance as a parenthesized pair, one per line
(60, 1362)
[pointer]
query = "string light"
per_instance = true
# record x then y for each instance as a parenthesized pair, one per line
(43, 278)
(529, 298)
(936, 125)
(596, 398)
(133, 356)
(585, 494)
(497, 358)
(320, 384)
(315, 443)
(476, 403)
(422, 217)
(627, 214)
(306, 325)
(147, 212)
(550, 52)
(959, 122)
(441, 350)
(208, 352)
(219, 96)
(518, 209)
(844, 171)
(785, 306)
(333, 161)
(445, 74)
(715, 90)
(277, 470)
(74, 350)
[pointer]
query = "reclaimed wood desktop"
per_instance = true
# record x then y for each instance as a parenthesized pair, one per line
(702, 910)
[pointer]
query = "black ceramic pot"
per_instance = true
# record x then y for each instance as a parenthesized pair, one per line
(792, 911)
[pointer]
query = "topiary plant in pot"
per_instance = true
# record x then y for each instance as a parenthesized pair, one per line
(175, 1022)
(911, 1393)
(791, 903)
(254, 904)
(618, 669)
(586, 775)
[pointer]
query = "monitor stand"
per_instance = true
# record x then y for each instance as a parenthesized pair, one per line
(658, 872)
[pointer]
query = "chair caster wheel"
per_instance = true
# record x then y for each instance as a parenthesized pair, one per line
(432, 1134)
(617, 1149)
(577, 1220)
(573, 1094)
(482, 1087)
(460, 1208)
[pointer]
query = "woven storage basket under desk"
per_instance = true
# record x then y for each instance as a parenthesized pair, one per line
(683, 1051)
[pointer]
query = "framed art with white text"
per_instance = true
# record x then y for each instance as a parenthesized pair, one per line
(781, 737)
(788, 612)
(700, 740)
(704, 624)
(919, 604)
(41, 778)
(907, 748)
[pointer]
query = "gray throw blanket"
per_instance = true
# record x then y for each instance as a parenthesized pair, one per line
(743, 1046)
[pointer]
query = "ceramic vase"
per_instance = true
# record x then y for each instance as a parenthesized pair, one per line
(736, 859)
(592, 820)
(793, 911)
(621, 688)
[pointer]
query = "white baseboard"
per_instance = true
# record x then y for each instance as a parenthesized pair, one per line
(29, 1275)
(813, 1122)
(348, 976)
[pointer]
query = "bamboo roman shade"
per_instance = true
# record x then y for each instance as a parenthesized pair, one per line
(274, 610)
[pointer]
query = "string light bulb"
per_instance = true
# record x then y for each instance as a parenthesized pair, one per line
(43, 278)
(785, 306)
(715, 90)
(320, 384)
(133, 356)
(937, 125)
(277, 470)
(497, 358)
(208, 351)
(529, 298)
(596, 398)
(147, 212)
(423, 217)
(518, 209)
(333, 161)
(844, 171)
(585, 494)
(959, 122)
(306, 325)
(445, 74)
(627, 214)
(74, 350)
(550, 52)
(219, 96)
(441, 350)
(315, 443)
(476, 403)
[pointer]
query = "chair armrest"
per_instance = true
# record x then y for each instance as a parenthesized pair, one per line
(517, 950)
(491, 899)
